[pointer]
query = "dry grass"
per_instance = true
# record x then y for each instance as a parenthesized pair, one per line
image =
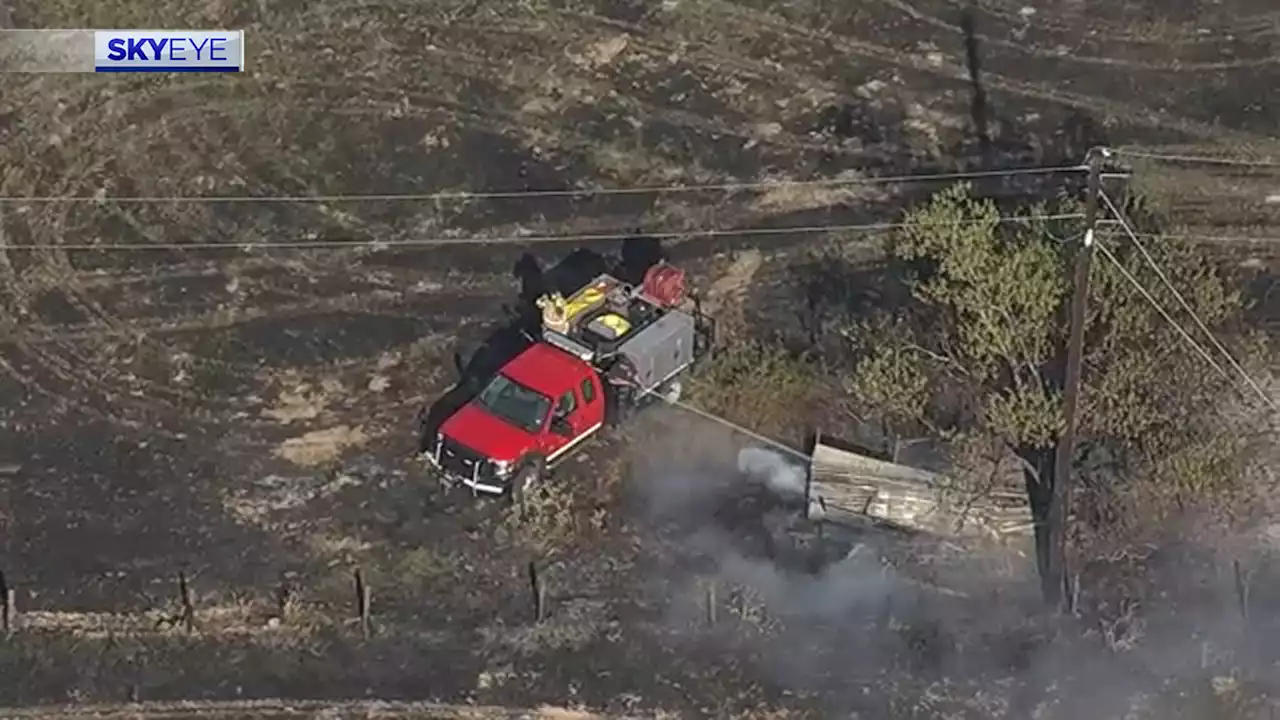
(761, 386)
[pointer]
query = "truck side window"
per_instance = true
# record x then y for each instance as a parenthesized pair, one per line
(567, 405)
(588, 391)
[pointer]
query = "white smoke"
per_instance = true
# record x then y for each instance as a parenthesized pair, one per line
(784, 479)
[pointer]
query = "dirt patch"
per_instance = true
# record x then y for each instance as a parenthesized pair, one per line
(726, 295)
(320, 447)
(603, 52)
(303, 401)
(275, 494)
(795, 198)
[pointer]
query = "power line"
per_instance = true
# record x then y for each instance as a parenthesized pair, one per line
(523, 194)
(1163, 313)
(1204, 237)
(516, 239)
(776, 444)
(1197, 159)
(1115, 211)
(1225, 239)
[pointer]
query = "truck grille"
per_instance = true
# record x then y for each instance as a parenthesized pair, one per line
(458, 459)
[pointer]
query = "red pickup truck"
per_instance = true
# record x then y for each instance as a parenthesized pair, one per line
(604, 350)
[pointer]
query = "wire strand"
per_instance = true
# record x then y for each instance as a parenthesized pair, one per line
(1223, 239)
(1164, 278)
(1204, 159)
(523, 194)
(1202, 237)
(1163, 313)
(512, 239)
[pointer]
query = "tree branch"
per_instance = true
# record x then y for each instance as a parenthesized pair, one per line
(948, 360)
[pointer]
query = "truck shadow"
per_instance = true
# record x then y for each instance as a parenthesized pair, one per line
(507, 338)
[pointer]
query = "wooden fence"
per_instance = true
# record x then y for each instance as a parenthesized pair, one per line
(15, 618)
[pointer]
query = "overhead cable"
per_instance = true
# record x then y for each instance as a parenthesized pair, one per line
(1106, 252)
(512, 239)
(530, 194)
(1164, 278)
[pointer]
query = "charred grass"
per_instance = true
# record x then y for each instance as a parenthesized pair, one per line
(243, 414)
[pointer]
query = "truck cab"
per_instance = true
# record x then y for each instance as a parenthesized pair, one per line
(541, 405)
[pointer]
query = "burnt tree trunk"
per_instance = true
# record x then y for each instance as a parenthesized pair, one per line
(1040, 485)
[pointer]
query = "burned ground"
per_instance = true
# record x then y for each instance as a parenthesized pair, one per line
(246, 413)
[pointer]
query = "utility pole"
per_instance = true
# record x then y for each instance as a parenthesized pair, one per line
(1059, 507)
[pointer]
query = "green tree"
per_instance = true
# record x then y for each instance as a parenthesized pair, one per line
(979, 352)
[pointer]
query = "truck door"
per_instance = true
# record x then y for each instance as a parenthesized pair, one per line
(582, 409)
(566, 412)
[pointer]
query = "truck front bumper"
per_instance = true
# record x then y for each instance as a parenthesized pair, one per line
(478, 480)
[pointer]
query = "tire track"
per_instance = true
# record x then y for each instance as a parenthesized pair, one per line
(505, 121)
(383, 302)
(431, 312)
(944, 68)
(63, 363)
(96, 312)
(53, 221)
(285, 708)
(1262, 25)
(1109, 62)
(513, 121)
(63, 400)
(674, 115)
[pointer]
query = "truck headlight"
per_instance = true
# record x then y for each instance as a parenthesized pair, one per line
(501, 468)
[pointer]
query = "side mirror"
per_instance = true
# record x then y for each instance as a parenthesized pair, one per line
(561, 427)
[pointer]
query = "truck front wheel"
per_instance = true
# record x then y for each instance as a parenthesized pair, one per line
(526, 479)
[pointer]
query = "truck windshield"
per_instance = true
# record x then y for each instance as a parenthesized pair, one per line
(515, 403)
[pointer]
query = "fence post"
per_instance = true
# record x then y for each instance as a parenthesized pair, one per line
(711, 603)
(538, 586)
(1242, 590)
(885, 621)
(363, 597)
(9, 600)
(188, 607)
(1075, 594)
(284, 598)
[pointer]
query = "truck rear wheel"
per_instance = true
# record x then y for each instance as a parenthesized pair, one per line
(619, 405)
(670, 391)
(526, 479)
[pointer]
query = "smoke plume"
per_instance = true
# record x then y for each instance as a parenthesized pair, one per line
(781, 477)
(867, 620)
